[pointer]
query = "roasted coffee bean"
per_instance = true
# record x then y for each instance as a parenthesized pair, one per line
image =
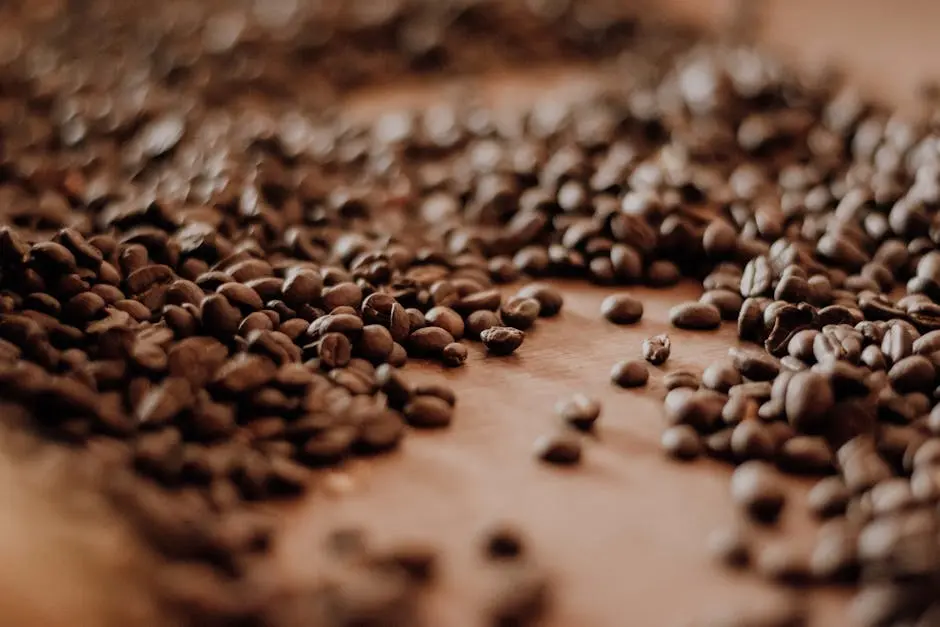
(503, 543)
(804, 455)
(751, 440)
(630, 373)
(428, 412)
(334, 350)
(695, 316)
(502, 341)
(375, 344)
(519, 312)
(579, 411)
(454, 355)
(753, 365)
(447, 319)
(656, 349)
(757, 278)
(681, 442)
(721, 376)
(751, 321)
(550, 300)
(912, 374)
(700, 409)
(681, 379)
(787, 321)
(429, 341)
(897, 344)
(662, 273)
(480, 321)
(622, 309)
(808, 400)
(562, 449)
(756, 489)
(728, 302)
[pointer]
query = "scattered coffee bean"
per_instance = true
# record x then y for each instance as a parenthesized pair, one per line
(519, 312)
(428, 412)
(695, 316)
(630, 373)
(756, 489)
(502, 341)
(680, 379)
(656, 349)
(622, 309)
(454, 355)
(561, 450)
(550, 299)
(681, 442)
(579, 411)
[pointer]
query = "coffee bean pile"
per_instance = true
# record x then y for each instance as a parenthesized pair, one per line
(213, 279)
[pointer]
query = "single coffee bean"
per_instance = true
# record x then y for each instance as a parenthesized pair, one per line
(622, 309)
(751, 440)
(480, 321)
(809, 398)
(805, 455)
(375, 344)
(428, 412)
(695, 316)
(519, 312)
(721, 376)
(579, 411)
(728, 302)
(680, 379)
(754, 365)
(756, 488)
(504, 543)
(656, 349)
(629, 373)
(912, 374)
(681, 442)
(699, 408)
(739, 408)
(897, 344)
(751, 321)
(502, 341)
(562, 449)
(429, 341)
(447, 319)
(454, 355)
(334, 351)
(549, 299)
(801, 344)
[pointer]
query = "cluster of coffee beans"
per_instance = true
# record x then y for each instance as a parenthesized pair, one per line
(211, 281)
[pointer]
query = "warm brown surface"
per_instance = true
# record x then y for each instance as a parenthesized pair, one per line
(624, 534)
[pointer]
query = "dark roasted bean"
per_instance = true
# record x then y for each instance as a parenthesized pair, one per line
(681, 379)
(656, 349)
(622, 309)
(721, 376)
(696, 316)
(562, 449)
(579, 411)
(629, 373)
(549, 299)
(502, 341)
(428, 412)
(756, 489)
(519, 312)
(681, 442)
